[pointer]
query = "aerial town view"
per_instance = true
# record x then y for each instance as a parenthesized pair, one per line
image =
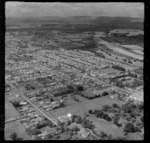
(74, 71)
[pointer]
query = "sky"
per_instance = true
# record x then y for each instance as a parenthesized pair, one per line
(28, 9)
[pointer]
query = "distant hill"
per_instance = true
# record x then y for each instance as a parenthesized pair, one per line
(91, 23)
(118, 22)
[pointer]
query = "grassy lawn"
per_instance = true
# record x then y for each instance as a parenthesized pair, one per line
(10, 111)
(81, 108)
(107, 127)
(134, 136)
(106, 100)
(15, 127)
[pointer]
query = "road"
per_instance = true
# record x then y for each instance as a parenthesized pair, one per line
(95, 77)
(100, 80)
(15, 119)
(40, 111)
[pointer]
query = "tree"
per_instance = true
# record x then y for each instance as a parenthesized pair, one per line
(132, 115)
(103, 134)
(110, 137)
(74, 117)
(37, 138)
(88, 124)
(71, 88)
(115, 105)
(90, 111)
(129, 128)
(127, 108)
(16, 104)
(116, 120)
(80, 88)
(13, 136)
(141, 106)
(78, 120)
(121, 138)
(140, 124)
(142, 119)
(51, 99)
(62, 104)
(104, 93)
(106, 117)
(70, 132)
(76, 129)
(62, 129)
(106, 108)
(137, 129)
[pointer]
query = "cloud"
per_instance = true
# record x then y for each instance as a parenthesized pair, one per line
(71, 9)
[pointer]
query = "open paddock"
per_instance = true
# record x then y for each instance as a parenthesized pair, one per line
(125, 52)
(18, 128)
(107, 127)
(10, 111)
(133, 47)
(81, 108)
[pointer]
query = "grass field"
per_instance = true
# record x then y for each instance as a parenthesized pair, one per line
(84, 106)
(15, 127)
(10, 111)
(138, 52)
(107, 127)
(120, 50)
(132, 46)
(128, 53)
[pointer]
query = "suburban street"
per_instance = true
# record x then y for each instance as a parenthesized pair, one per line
(40, 111)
